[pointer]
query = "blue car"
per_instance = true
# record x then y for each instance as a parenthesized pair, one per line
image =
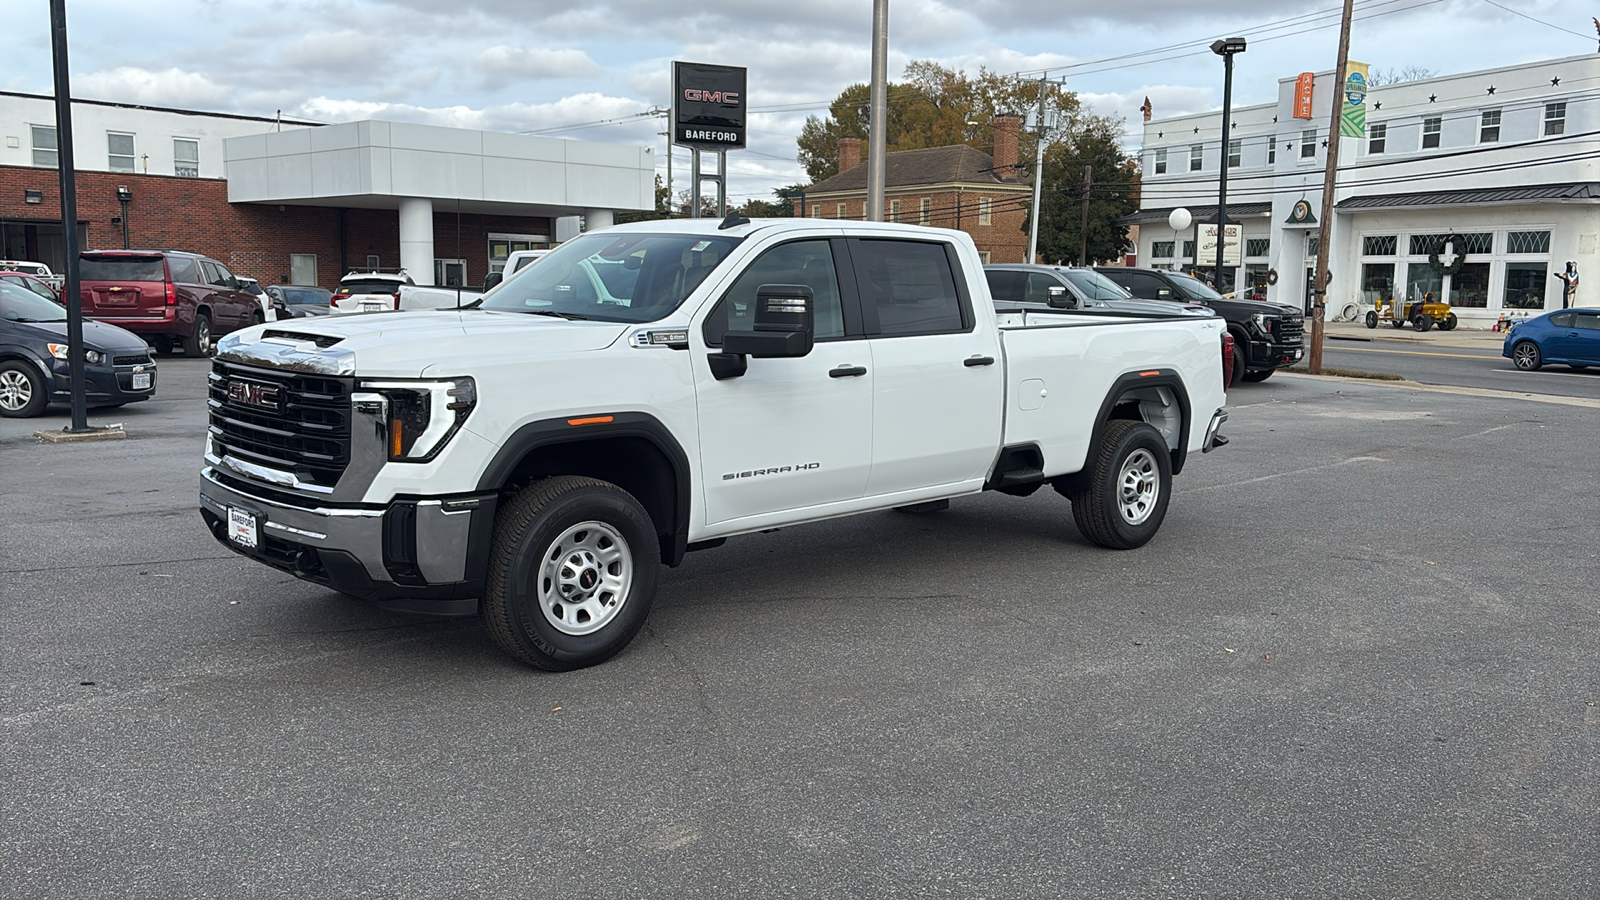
(1570, 336)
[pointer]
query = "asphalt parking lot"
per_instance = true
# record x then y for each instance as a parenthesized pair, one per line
(1360, 660)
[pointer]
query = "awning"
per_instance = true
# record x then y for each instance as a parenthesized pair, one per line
(1575, 191)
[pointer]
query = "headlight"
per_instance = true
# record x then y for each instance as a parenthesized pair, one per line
(61, 352)
(422, 416)
(1260, 321)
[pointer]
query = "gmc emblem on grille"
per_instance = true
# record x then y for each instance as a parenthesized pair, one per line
(251, 394)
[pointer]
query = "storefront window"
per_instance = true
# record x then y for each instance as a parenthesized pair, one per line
(1421, 280)
(1379, 245)
(1525, 285)
(1161, 249)
(1470, 286)
(1255, 279)
(1377, 282)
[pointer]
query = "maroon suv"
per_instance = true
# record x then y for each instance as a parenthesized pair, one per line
(167, 297)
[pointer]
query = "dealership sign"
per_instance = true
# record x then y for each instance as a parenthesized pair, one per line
(708, 106)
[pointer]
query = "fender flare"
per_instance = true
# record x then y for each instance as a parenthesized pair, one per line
(1159, 377)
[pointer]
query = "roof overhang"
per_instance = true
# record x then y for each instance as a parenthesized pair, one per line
(1571, 192)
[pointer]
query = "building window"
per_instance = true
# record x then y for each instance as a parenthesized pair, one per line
(1161, 249)
(1235, 153)
(839, 211)
(501, 246)
(119, 151)
(303, 268)
(1528, 242)
(1380, 244)
(985, 211)
(926, 215)
(1255, 278)
(1377, 139)
(1272, 150)
(983, 257)
(1312, 246)
(1308, 144)
(894, 210)
(1430, 131)
(185, 158)
(1258, 247)
(816, 210)
(1555, 119)
(1188, 249)
(1377, 282)
(1525, 285)
(1489, 127)
(375, 262)
(1161, 162)
(1196, 154)
(44, 146)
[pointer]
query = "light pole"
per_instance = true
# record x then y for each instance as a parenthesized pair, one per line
(123, 196)
(1224, 48)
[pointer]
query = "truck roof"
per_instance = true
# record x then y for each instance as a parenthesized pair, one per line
(752, 226)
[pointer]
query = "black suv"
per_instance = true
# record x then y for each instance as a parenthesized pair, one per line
(1266, 336)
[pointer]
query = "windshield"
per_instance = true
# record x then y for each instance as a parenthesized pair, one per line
(22, 305)
(613, 277)
(1193, 288)
(1094, 285)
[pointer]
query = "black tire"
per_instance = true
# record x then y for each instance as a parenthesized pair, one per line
(1372, 319)
(1131, 455)
(22, 390)
(1450, 323)
(1527, 357)
(1262, 375)
(1420, 322)
(161, 344)
(1238, 362)
(199, 343)
(1399, 323)
(540, 540)
(256, 318)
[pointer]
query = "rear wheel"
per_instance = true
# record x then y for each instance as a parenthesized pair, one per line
(1262, 375)
(1449, 324)
(572, 573)
(1420, 322)
(22, 391)
(1124, 493)
(1527, 356)
(198, 343)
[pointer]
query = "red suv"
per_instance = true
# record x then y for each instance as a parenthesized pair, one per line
(166, 296)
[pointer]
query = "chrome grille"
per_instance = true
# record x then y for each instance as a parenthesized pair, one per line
(1291, 329)
(304, 430)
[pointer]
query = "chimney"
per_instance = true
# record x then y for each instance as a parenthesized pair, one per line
(849, 153)
(1006, 131)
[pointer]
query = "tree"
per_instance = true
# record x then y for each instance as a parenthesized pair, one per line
(782, 207)
(1092, 141)
(1381, 77)
(933, 107)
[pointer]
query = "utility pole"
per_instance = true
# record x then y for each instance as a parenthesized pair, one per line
(1038, 174)
(1329, 177)
(69, 215)
(1083, 226)
(878, 129)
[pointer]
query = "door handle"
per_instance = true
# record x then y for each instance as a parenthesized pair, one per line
(972, 361)
(847, 371)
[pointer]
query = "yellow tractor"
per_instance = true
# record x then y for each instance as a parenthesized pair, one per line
(1422, 313)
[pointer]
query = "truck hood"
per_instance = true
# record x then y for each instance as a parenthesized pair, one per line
(408, 343)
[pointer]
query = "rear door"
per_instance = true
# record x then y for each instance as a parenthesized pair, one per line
(122, 285)
(241, 305)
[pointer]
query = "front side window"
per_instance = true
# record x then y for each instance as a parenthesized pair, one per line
(185, 158)
(1161, 162)
(119, 151)
(1308, 144)
(1196, 157)
(800, 262)
(609, 277)
(1489, 127)
(1235, 153)
(1377, 139)
(44, 147)
(1555, 119)
(1094, 285)
(908, 287)
(1431, 128)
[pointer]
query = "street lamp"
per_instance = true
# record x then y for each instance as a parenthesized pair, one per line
(123, 196)
(1224, 48)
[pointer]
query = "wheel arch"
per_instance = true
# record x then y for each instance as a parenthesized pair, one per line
(17, 354)
(634, 451)
(1150, 396)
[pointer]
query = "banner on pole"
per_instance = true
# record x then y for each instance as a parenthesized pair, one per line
(1353, 117)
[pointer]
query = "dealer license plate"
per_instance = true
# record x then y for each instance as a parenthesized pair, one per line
(367, 306)
(242, 527)
(141, 381)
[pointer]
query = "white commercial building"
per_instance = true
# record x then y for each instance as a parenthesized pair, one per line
(1479, 188)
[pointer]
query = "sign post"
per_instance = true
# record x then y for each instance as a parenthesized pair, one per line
(708, 115)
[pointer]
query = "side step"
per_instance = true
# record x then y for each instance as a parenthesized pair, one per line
(928, 506)
(1018, 478)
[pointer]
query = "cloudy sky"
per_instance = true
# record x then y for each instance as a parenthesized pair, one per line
(592, 70)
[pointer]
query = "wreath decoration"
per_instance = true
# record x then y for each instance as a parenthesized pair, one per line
(1272, 276)
(1450, 240)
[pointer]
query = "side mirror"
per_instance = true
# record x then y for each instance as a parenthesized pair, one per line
(492, 280)
(784, 324)
(1060, 300)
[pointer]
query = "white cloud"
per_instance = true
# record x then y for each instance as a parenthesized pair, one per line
(170, 87)
(515, 62)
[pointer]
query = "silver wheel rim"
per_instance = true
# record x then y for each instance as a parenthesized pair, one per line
(1525, 354)
(1138, 487)
(16, 391)
(203, 336)
(584, 578)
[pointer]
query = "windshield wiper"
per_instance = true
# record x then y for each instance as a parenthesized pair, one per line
(571, 317)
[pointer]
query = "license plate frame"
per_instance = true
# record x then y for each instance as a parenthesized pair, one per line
(142, 381)
(244, 527)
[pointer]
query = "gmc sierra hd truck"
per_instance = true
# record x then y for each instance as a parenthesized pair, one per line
(653, 389)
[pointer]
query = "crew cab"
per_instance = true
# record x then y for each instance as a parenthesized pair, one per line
(537, 457)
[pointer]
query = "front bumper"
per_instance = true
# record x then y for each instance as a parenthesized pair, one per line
(426, 554)
(102, 383)
(1267, 355)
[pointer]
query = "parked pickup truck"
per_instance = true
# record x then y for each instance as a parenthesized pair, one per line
(389, 291)
(538, 456)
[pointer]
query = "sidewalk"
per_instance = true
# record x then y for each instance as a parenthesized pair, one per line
(1461, 337)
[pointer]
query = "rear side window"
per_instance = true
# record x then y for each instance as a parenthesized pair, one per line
(801, 262)
(1005, 287)
(909, 285)
(1588, 320)
(122, 268)
(185, 270)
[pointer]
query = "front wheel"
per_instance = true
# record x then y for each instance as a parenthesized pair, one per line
(1372, 320)
(1123, 498)
(1420, 322)
(1450, 322)
(1527, 356)
(1262, 375)
(1238, 361)
(22, 391)
(572, 573)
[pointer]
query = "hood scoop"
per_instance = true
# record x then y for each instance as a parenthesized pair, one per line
(321, 340)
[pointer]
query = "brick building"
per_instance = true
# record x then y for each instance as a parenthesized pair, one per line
(296, 202)
(957, 187)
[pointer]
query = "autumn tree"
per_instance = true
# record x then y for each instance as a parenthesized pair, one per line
(1092, 142)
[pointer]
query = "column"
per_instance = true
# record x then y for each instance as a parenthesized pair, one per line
(597, 218)
(416, 239)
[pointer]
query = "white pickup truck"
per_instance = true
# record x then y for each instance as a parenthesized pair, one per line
(537, 457)
(389, 291)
